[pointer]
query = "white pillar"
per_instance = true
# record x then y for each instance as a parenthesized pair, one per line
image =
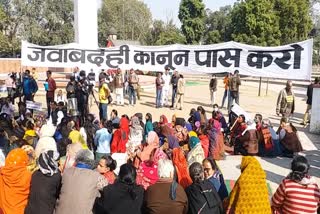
(86, 23)
(315, 111)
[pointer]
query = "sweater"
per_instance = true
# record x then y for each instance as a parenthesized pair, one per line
(157, 199)
(43, 200)
(116, 199)
(292, 197)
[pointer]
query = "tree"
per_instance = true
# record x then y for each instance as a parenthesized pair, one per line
(254, 22)
(218, 25)
(294, 20)
(43, 22)
(165, 34)
(192, 17)
(131, 19)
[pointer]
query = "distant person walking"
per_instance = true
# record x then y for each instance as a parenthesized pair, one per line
(133, 86)
(286, 101)
(226, 90)
(309, 100)
(213, 89)
(234, 83)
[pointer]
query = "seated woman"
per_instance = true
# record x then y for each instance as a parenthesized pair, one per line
(250, 193)
(106, 167)
(202, 196)
(124, 196)
(269, 140)
(213, 174)
(237, 128)
(196, 154)
(247, 144)
(289, 141)
(298, 192)
(14, 183)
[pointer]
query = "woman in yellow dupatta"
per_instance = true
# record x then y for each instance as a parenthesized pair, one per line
(250, 193)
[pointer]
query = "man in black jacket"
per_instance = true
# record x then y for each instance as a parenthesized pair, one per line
(309, 100)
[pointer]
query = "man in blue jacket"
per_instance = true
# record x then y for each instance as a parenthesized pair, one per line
(30, 86)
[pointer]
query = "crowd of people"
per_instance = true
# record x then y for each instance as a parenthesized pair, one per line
(78, 163)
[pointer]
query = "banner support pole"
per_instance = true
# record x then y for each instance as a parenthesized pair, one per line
(259, 93)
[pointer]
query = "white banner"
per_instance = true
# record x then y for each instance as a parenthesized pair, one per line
(292, 61)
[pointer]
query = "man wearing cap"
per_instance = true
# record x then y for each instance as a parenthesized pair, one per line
(286, 101)
(166, 87)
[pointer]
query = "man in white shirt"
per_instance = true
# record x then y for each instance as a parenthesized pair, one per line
(166, 87)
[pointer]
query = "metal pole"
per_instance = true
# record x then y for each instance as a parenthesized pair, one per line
(260, 86)
(267, 87)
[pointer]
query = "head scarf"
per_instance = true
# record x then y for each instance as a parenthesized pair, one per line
(193, 141)
(193, 134)
(15, 182)
(166, 130)
(164, 120)
(135, 123)
(47, 163)
(153, 139)
(153, 143)
(181, 165)
(253, 180)
(173, 142)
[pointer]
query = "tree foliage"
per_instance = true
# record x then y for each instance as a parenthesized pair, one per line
(218, 25)
(297, 23)
(43, 22)
(165, 34)
(192, 17)
(131, 19)
(255, 22)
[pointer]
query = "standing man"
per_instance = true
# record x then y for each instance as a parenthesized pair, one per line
(159, 86)
(286, 101)
(213, 89)
(83, 95)
(30, 86)
(50, 90)
(104, 93)
(72, 102)
(234, 83)
(226, 90)
(180, 92)
(166, 87)
(174, 83)
(133, 85)
(118, 85)
(309, 100)
(92, 84)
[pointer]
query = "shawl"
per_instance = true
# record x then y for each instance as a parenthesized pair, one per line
(196, 154)
(110, 177)
(173, 142)
(32, 164)
(181, 166)
(153, 143)
(251, 188)
(135, 123)
(164, 120)
(48, 164)
(204, 140)
(216, 144)
(76, 137)
(147, 174)
(193, 141)
(15, 183)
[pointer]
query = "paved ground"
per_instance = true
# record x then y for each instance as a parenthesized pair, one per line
(197, 93)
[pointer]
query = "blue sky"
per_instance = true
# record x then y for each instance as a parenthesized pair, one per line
(168, 9)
